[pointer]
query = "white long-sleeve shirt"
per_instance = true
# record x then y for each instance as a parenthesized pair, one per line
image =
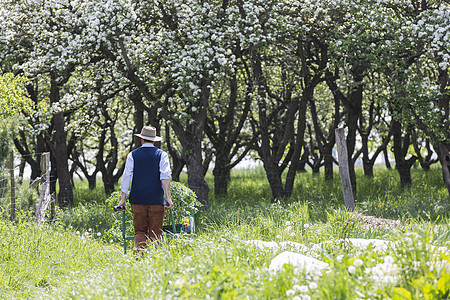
(164, 169)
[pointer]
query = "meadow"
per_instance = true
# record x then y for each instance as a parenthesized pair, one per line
(245, 247)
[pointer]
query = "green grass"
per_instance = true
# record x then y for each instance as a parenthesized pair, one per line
(79, 256)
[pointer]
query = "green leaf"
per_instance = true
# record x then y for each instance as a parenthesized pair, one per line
(13, 98)
(443, 283)
(401, 293)
(428, 291)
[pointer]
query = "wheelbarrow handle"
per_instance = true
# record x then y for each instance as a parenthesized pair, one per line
(172, 218)
(119, 208)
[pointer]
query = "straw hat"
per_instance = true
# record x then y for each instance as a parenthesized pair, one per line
(148, 133)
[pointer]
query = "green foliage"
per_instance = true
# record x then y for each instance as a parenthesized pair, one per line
(93, 219)
(94, 214)
(6, 130)
(184, 200)
(424, 270)
(35, 259)
(25, 201)
(221, 262)
(13, 98)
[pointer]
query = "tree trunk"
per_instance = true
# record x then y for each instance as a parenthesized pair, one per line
(28, 157)
(444, 104)
(328, 164)
(193, 141)
(221, 174)
(326, 143)
(65, 195)
(21, 170)
(196, 180)
(92, 182)
(177, 168)
(351, 142)
(207, 160)
(53, 174)
(301, 167)
(444, 157)
(367, 166)
(353, 104)
(386, 159)
(299, 141)
(225, 135)
(401, 146)
(136, 97)
(271, 168)
(275, 182)
(315, 168)
(404, 170)
(354, 111)
(109, 187)
(368, 169)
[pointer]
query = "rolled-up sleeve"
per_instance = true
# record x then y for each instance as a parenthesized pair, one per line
(164, 167)
(127, 173)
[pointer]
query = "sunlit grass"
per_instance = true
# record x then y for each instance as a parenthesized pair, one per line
(80, 255)
(34, 260)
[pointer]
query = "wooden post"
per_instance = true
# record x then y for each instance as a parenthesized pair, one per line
(52, 196)
(45, 198)
(52, 205)
(344, 172)
(13, 186)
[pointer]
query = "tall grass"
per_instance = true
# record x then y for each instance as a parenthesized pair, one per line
(34, 260)
(79, 256)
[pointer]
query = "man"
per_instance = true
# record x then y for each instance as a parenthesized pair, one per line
(149, 166)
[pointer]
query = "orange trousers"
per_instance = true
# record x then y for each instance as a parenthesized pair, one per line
(147, 222)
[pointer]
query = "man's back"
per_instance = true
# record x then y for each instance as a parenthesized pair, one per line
(146, 187)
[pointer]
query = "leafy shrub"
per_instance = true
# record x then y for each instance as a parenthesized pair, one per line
(94, 220)
(185, 205)
(184, 200)
(114, 233)
(98, 220)
(5, 138)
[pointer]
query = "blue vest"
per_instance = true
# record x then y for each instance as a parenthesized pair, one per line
(146, 186)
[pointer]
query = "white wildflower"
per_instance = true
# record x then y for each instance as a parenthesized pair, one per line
(313, 285)
(290, 293)
(388, 259)
(179, 282)
(358, 262)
